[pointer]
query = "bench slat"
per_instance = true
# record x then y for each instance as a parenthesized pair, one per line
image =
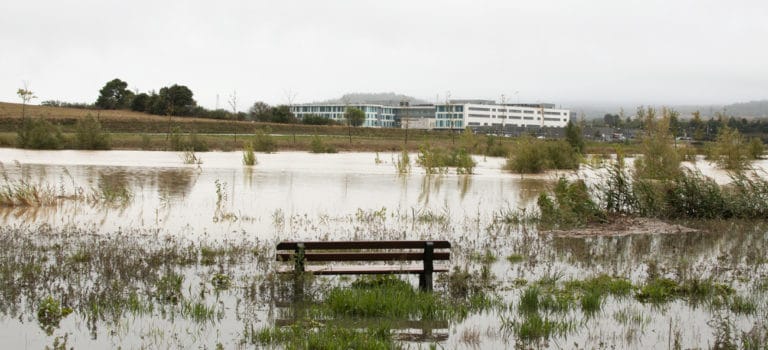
(366, 256)
(287, 245)
(363, 269)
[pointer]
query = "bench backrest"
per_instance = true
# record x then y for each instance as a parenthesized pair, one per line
(362, 250)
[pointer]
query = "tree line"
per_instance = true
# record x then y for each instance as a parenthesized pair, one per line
(178, 100)
(697, 128)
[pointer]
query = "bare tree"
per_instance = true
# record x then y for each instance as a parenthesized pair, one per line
(26, 95)
(290, 96)
(233, 103)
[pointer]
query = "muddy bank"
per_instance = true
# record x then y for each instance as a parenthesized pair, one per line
(624, 226)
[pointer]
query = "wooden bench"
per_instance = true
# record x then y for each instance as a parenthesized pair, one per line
(393, 253)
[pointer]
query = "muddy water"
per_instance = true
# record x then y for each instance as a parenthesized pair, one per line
(354, 196)
(221, 195)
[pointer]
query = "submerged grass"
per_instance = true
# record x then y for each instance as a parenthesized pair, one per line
(385, 297)
(332, 337)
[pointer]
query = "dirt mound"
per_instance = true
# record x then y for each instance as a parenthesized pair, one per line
(623, 226)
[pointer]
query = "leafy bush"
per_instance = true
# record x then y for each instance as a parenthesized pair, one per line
(729, 150)
(264, 142)
(89, 135)
(530, 156)
(39, 134)
(189, 143)
(438, 160)
(317, 120)
(318, 146)
(430, 160)
(659, 159)
(494, 148)
(755, 149)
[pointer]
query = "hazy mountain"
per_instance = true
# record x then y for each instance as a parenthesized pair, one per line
(752, 109)
(382, 98)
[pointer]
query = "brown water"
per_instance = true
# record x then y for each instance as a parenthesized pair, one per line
(296, 195)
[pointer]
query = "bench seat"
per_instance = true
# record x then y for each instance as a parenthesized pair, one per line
(362, 269)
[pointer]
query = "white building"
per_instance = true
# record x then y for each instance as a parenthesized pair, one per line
(458, 114)
(377, 116)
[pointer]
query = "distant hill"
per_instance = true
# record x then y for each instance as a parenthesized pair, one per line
(382, 98)
(752, 109)
(749, 109)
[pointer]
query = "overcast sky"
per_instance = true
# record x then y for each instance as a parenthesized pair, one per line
(564, 52)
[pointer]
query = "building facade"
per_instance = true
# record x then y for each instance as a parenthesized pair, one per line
(480, 113)
(455, 114)
(376, 116)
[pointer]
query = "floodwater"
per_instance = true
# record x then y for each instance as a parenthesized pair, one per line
(296, 195)
(183, 199)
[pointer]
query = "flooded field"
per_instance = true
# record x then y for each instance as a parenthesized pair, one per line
(136, 249)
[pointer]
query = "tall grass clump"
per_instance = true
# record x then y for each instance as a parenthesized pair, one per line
(89, 135)
(385, 296)
(403, 162)
(687, 195)
(531, 156)
(249, 158)
(39, 134)
(325, 337)
(190, 157)
(571, 206)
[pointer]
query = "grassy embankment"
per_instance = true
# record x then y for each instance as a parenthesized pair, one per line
(134, 130)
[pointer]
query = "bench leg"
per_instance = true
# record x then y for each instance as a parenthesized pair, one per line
(425, 282)
(298, 278)
(425, 278)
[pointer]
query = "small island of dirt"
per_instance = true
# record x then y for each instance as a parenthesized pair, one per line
(623, 226)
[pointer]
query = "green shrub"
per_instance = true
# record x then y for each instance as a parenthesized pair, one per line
(49, 314)
(39, 134)
(89, 135)
(189, 143)
(494, 148)
(264, 142)
(431, 160)
(146, 142)
(729, 150)
(527, 157)
(463, 162)
(530, 156)
(659, 159)
(438, 160)
(755, 149)
(318, 146)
